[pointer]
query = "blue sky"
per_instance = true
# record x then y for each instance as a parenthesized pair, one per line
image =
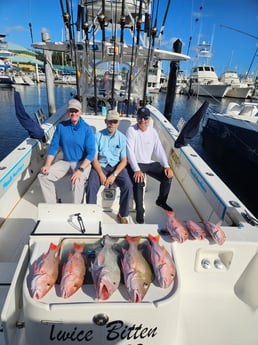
(222, 22)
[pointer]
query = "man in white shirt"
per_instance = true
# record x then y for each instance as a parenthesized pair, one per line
(142, 142)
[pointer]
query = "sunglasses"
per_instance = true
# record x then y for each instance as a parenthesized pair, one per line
(113, 121)
(73, 110)
(146, 117)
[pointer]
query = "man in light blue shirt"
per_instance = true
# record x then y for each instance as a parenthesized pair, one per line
(109, 166)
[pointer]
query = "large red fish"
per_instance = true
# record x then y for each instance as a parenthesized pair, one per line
(105, 270)
(176, 228)
(45, 272)
(136, 270)
(162, 263)
(73, 271)
(216, 232)
(195, 230)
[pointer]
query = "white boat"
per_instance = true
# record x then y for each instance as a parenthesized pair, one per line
(215, 284)
(238, 88)
(5, 64)
(156, 78)
(235, 131)
(204, 80)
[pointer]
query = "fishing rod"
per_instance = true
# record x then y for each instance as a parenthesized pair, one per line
(240, 31)
(131, 68)
(67, 21)
(151, 33)
(122, 26)
(94, 62)
(31, 35)
(163, 23)
(101, 19)
(114, 59)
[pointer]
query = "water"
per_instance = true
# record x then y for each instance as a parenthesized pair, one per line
(35, 97)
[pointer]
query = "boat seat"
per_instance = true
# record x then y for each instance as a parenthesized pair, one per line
(249, 110)
(233, 108)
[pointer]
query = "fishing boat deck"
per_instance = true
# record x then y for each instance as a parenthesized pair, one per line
(23, 218)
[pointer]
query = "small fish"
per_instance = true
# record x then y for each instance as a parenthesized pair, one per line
(136, 270)
(73, 271)
(105, 270)
(216, 232)
(45, 272)
(162, 263)
(195, 230)
(176, 228)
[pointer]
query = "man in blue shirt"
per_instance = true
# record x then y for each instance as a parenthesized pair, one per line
(109, 166)
(77, 141)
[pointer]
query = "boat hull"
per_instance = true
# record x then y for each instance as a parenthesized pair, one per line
(204, 90)
(239, 92)
(236, 136)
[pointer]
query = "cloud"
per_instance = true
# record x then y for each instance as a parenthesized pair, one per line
(16, 28)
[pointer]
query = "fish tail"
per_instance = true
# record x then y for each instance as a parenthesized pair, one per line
(170, 213)
(154, 238)
(78, 247)
(131, 239)
(54, 246)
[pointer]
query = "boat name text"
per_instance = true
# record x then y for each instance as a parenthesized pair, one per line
(13, 176)
(114, 330)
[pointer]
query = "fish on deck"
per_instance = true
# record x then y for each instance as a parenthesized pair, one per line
(176, 228)
(45, 272)
(162, 262)
(73, 271)
(136, 270)
(105, 270)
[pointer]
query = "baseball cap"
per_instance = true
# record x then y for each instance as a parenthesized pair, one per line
(74, 104)
(143, 112)
(113, 115)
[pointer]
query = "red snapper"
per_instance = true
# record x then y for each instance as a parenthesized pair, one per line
(136, 270)
(73, 271)
(45, 272)
(105, 270)
(162, 262)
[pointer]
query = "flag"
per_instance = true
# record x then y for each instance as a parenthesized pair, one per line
(191, 127)
(32, 127)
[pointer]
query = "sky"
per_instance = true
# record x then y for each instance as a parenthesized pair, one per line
(231, 26)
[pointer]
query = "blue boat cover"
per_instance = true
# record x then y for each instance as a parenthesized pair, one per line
(32, 127)
(191, 127)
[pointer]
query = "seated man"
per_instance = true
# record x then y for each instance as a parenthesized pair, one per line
(109, 165)
(77, 141)
(142, 143)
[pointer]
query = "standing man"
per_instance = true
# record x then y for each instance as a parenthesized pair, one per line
(77, 141)
(109, 165)
(142, 143)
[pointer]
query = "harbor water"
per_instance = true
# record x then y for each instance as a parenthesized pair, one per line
(35, 98)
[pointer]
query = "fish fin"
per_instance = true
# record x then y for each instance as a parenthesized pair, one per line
(35, 268)
(131, 239)
(154, 238)
(170, 213)
(54, 246)
(101, 258)
(78, 247)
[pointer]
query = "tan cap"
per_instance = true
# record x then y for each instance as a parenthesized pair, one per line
(113, 115)
(74, 104)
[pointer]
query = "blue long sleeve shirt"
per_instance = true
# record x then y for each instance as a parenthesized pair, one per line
(76, 141)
